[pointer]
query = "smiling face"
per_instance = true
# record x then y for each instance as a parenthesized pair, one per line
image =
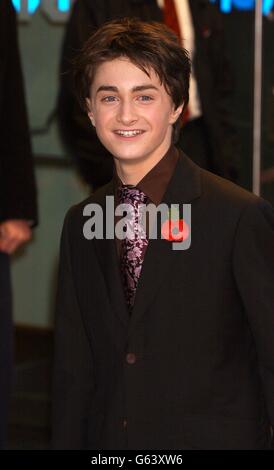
(132, 112)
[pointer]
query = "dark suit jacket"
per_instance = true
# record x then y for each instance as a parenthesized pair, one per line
(202, 329)
(17, 184)
(211, 68)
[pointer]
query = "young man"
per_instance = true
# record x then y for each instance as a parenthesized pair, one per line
(158, 348)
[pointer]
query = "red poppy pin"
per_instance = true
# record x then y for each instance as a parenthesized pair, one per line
(175, 229)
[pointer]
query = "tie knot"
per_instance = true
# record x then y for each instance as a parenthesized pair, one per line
(131, 195)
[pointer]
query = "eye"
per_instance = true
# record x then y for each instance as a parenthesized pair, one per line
(145, 98)
(108, 98)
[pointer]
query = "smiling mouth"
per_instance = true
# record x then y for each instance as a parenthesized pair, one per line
(129, 133)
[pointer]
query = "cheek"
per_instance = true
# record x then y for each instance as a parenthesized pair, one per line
(160, 119)
(161, 113)
(102, 116)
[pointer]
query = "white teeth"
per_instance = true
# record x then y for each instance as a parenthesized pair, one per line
(129, 133)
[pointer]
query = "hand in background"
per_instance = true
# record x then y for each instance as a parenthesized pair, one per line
(14, 233)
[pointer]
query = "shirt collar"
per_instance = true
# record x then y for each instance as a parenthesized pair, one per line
(155, 182)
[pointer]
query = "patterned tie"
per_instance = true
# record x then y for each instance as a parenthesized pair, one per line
(132, 250)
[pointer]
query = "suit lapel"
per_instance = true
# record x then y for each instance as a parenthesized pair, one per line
(185, 186)
(108, 259)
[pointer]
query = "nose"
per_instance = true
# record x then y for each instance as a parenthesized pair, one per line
(127, 112)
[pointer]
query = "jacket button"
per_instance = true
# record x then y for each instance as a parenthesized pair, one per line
(131, 358)
(124, 423)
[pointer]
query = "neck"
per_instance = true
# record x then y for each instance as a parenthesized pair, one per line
(132, 171)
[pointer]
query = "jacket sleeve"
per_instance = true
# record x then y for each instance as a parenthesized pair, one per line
(73, 383)
(17, 185)
(254, 273)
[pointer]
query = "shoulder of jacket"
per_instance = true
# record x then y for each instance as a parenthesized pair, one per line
(224, 191)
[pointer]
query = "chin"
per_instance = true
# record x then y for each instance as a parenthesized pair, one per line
(126, 158)
(126, 154)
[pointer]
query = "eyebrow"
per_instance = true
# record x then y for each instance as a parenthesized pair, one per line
(135, 88)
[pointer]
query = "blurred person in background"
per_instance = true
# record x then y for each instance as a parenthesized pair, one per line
(18, 210)
(207, 133)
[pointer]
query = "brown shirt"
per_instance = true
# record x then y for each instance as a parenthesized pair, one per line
(153, 184)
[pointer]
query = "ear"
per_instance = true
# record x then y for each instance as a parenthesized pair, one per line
(176, 113)
(90, 112)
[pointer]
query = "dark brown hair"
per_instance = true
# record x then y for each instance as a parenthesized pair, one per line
(146, 45)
